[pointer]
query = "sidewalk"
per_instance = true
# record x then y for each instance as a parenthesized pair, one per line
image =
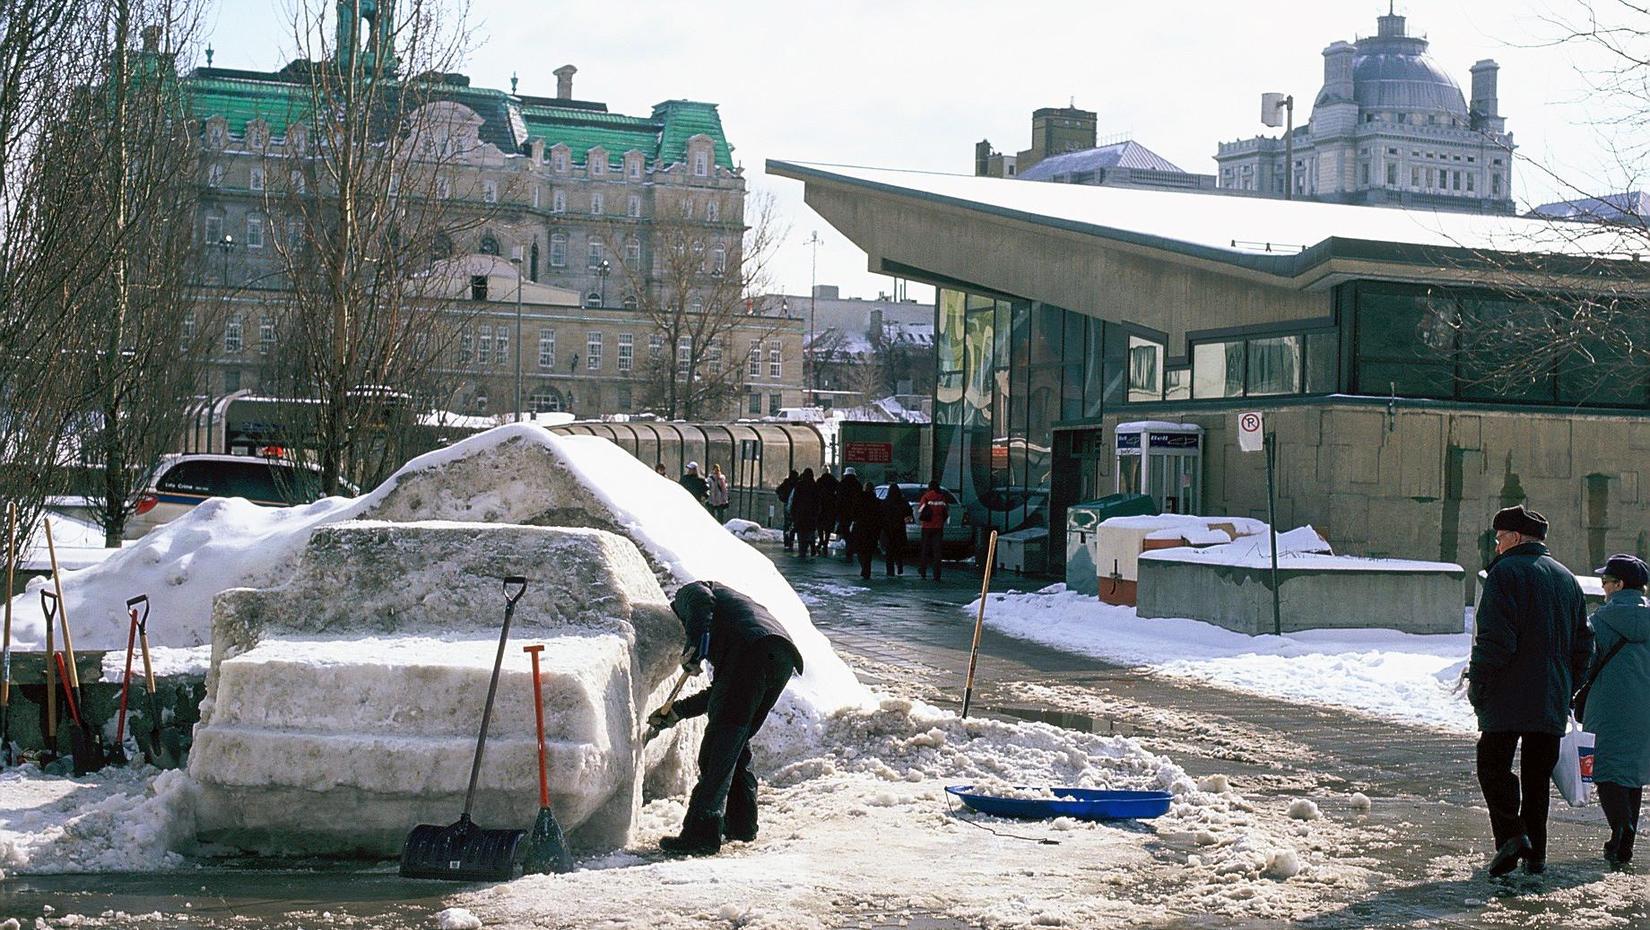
(1432, 832)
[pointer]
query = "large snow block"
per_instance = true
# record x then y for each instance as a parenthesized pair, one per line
(1316, 592)
(343, 705)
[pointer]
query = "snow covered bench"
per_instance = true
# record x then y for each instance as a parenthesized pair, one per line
(343, 705)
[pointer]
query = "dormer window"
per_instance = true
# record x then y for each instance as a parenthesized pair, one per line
(558, 161)
(489, 191)
(255, 181)
(597, 163)
(712, 212)
(701, 164)
(214, 175)
(633, 167)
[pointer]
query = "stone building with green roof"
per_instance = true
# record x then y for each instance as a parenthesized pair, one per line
(574, 196)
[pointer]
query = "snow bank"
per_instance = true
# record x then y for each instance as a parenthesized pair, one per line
(751, 531)
(116, 820)
(1384, 673)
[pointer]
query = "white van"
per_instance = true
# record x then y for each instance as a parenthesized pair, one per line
(180, 482)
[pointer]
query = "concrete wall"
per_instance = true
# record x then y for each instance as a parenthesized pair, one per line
(1240, 599)
(1423, 482)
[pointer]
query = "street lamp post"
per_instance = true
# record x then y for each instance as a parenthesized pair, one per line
(813, 300)
(226, 245)
(515, 259)
(602, 271)
(1270, 104)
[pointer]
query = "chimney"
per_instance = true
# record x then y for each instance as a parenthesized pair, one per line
(827, 292)
(1484, 102)
(982, 158)
(151, 39)
(564, 82)
(1337, 71)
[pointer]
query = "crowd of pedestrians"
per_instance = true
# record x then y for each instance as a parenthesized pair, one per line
(1536, 660)
(816, 508)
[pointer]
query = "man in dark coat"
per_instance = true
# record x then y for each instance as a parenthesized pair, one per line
(805, 512)
(695, 483)
(784, 492)
(1529, 650)
(847, 504)
(896, 512)
(751, 659)
(867, 529)
(826, 521)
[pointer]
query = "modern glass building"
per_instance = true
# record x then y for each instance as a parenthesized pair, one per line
(1395, 355)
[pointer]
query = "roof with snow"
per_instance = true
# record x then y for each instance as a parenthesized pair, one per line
(1631, 208)
(1127, 154)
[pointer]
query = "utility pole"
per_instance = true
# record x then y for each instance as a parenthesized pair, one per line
(813, 299)
(515, 259)
(1270, 104)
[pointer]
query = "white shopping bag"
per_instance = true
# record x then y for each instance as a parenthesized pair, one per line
(1574, 772)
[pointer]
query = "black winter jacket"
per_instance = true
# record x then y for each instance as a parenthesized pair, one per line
(735, 624)
(1531, 646)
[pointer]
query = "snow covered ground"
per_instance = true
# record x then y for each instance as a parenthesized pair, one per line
(1385, 673)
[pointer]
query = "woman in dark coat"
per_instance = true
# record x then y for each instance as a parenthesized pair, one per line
(1617, 711)
(867, 529)
(896, 512)
(847, 505)
(805, 512)
(825, 521)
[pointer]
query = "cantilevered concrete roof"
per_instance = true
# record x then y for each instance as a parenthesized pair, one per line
(1284, 238)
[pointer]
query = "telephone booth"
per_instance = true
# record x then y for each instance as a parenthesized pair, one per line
(1163, 460)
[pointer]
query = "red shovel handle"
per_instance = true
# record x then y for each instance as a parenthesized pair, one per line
(126, 679)
(68, 695)
(538, 714)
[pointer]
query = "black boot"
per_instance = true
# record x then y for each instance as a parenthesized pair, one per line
(739, 822)
(701, 836)
(1506, 858)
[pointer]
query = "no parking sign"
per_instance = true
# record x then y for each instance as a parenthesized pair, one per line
(1250, 431)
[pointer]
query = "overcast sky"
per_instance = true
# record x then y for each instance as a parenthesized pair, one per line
(903, 84)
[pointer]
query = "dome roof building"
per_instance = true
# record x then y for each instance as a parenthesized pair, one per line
(1388, 126)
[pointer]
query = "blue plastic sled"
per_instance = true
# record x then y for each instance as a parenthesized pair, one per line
(1079, 803)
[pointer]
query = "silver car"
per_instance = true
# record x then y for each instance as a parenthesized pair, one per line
(957, 539)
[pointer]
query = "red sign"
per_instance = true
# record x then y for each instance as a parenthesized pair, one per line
(871, 453)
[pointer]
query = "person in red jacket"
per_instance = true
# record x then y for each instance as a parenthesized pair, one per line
(932, 512)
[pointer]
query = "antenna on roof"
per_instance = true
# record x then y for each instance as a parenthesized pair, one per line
(512, 82)
(209, 54)
(1073, 104)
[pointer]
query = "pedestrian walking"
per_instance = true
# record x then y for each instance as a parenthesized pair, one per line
(659, 469)
(694, 483)
(805, 511)
(896, 512)
(784, 492)
(1617, 708)
(866, 529)
(1530, 648)
(848, 493)
(826, 520)
(932, 512)
(717, 495)
(751, 660)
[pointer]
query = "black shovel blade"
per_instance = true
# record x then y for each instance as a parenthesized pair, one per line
(87, 751)
(462, 852)
(546, 847)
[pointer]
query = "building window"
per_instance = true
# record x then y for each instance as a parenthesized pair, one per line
(545, 400)
(598, 164)
(188, 336)
(299, 185)
(231, 380)
(478, 287)
(774, 402)
(635, 169)
(489, 191)
(537, 193)
(1391, 174)
(719, 260)
(489, 244)
(1274, 365)
(655, 346)
(630, 302)
(547, 349)
(594, 257)
(1495, 184)
(558, 201)
(214, 230)
(633, 251)
(558, 161)
(466, 345)
(1414, 177)
(754, 362)
(501, 344)
(443, 189)
(686, 207)
(484, 346)
(232, 334)
(754, 404)
(593, 299)
(684, 356)
(776, 368)
(254, 232)
(266, 334)
(701, 165)
(598, 206)
(1363, 174)
(214, 175)
(593, 352)
(1145, 370)
(256, 180)
(1469, 182)
(633, 206)
(713, 212)
(627, 351)
(558, 250)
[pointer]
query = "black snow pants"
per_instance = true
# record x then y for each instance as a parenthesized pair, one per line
(754, 682)
(1517, 803)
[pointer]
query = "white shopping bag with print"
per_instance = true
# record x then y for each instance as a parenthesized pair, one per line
(1574, 772)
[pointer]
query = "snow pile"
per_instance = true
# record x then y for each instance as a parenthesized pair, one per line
(116, 820)
(457, 918)
(1304, 809)
(1384, 673)
(1300, 548)
(751, 531)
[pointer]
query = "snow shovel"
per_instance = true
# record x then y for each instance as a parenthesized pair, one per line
(7, 756)
(463, 851)
(546, 846)
(84, 743)
(118, 752)
(163, 750)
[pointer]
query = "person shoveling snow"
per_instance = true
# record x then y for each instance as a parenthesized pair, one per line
(752, 660)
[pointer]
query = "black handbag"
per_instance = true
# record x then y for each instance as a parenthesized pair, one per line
(1579, 701)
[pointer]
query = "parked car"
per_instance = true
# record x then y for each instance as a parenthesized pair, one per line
(957, 540)
(180, 482)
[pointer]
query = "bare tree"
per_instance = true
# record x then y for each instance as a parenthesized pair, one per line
(371, 207)
(697, 291)
(145, 359)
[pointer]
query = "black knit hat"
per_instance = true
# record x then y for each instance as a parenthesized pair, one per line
(1519, 520)
(1627, 569)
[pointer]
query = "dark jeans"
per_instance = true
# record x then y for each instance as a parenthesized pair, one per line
(1621, 806)
(866, 551)
(790, 529)
(894, 541)
(1517, 803)
(807, 536)
(754, 682)
(928, 551)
